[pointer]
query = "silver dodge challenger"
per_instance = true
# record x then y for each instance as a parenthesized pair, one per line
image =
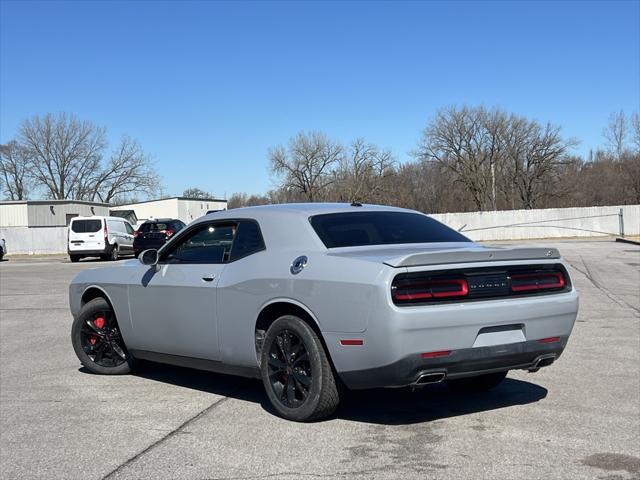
(315, 299)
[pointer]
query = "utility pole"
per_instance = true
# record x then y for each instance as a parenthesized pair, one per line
(493, 185)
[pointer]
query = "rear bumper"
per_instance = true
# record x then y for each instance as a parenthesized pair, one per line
(458, 364)
(87, 253)
(145, 245)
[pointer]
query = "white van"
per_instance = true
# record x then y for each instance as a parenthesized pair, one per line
(104, 237)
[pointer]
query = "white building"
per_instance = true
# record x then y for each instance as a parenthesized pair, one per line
(183, 208)
(40, 226)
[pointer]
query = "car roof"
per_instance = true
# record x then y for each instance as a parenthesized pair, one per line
(161, 220)
(99, 217)
(278, 220)
(304, 209)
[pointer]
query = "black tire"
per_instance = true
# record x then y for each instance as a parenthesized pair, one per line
(480, 383)
(100, 340)
(74, 258)
(114, 253)
(299, 365)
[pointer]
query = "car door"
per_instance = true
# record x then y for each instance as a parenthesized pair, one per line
(128, 235)
(173, 304)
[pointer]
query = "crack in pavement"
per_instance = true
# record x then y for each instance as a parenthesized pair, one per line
(169, 435)
(589, 276)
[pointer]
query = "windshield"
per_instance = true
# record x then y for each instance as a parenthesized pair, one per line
(353, 229)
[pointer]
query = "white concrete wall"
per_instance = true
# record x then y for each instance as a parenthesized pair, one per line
(24, 240)
(544, 223)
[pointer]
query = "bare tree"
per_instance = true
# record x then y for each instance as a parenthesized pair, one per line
(128, 171)
(635, 131)
(306, 165)
(238, 200)
(194, 192)
(64, 152)
(616, 133)
(363, 173)
(533, 154)
(14, 171)
(467, 142)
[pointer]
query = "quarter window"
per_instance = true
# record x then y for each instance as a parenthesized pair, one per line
(248, 240)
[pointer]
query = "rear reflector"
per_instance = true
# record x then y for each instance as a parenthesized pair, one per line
(549, 340)
(440, 353)
(352, 342)
(527, 282)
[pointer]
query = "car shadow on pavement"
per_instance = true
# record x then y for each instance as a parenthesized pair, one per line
(433, 402)
(379, 406)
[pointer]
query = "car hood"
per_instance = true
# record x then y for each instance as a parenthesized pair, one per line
(443, 253)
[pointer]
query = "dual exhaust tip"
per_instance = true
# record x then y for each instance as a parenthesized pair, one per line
(437, 377)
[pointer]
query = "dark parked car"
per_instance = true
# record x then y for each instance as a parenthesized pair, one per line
(155, 233)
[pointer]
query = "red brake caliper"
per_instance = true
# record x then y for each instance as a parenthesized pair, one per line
(98, 322)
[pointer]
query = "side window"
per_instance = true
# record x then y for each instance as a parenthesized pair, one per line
(248, 240)
(129, 229)
(209, 243)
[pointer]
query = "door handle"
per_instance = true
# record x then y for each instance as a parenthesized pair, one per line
(209, 278)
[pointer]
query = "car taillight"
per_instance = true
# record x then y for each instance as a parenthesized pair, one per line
(106, 232)
(421, 290)
(536, 281)
(168, 232)
(136, 233)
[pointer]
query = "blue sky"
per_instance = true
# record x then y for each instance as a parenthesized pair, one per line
(208, 87)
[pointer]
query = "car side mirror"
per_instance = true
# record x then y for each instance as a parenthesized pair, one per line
(149, 257)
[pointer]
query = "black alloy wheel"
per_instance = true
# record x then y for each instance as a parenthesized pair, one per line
(289, 369)
(97, 340)
(296, 371)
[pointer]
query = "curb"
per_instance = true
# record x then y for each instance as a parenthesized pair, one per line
(626, 240)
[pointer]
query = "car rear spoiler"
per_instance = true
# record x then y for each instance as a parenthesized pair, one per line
(493, 254)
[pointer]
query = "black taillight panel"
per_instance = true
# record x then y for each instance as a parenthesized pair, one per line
(484, 283)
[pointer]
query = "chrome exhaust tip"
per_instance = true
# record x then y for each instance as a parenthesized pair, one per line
(542, 361)
(428, 378)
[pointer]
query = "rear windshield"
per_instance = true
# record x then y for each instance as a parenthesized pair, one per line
(381, 228)
(86, 226)
(159, 226)
(153, 227)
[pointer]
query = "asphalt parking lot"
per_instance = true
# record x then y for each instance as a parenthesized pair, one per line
(580, 418)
